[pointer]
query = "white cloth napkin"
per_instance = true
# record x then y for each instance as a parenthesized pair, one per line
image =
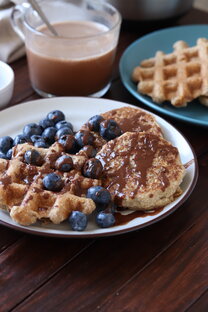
(11, 45)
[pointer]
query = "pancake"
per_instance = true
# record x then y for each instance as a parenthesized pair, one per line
(132, 119)
(142, 171)
(129, 119)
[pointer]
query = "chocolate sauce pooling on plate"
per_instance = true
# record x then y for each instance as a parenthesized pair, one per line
(122, 219)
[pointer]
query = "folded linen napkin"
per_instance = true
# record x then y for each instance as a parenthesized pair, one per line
(11, 45)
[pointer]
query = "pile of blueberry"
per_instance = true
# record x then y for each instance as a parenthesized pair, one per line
(104, 210)
(43, 134)
(55, 128)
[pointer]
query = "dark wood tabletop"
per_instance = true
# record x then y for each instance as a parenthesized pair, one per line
(162, 267)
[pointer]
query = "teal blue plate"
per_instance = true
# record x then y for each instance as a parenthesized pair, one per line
(146, 47)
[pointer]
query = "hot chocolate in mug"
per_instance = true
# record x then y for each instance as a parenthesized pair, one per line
(79, 60)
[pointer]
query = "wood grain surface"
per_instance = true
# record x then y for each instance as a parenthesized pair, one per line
(163, 267)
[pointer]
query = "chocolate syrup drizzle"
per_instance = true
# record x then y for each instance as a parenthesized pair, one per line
(137, 122)
(134, 160)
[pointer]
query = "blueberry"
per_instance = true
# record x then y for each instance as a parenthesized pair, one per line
(45, 123)
(78, 221)
(41, 143)
(105, 219)
(111, 208)
(21, 139)
(6, 143)
(89, 150)
(93, 168)
(35, 137)
(56, 116)
(49, 135)
(69, 143)
(63, 131)
(32, 129)
(63, 124)
(64, 163)
(94, 122)
(9, 154)
(109, 129)
(100, 196)
(53, 182)
(2, 155)
(84, 137)
(33, 157)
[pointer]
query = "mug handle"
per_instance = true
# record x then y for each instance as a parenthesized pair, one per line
(17, 20)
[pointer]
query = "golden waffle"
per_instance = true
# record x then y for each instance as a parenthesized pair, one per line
(203, 100)
(22, 192)
(178, 77)
(142, 171)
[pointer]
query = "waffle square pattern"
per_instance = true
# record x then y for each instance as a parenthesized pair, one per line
(22, 192)
(178, 77)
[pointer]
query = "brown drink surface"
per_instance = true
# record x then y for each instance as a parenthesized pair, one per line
(72, 74)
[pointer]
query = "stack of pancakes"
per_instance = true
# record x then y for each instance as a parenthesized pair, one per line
(142, 170)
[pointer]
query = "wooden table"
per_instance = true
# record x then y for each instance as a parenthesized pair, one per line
(159, 268)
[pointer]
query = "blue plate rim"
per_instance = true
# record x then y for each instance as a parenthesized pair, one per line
(143, 98)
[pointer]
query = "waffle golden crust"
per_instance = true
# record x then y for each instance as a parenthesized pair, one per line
(141, 170)
(204, 100)
(178, 77)
(23, 195)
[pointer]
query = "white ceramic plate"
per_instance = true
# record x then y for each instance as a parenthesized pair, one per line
(78, 110)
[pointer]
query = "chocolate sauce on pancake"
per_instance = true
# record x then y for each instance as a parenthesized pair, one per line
(135, 159)
(132, 124)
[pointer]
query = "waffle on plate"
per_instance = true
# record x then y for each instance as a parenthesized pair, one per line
(22, 192)
(178, 77)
